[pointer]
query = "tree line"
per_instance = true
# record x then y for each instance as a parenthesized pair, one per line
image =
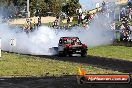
(40, 7)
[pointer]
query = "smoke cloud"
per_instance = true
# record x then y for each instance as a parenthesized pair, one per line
(39, 41)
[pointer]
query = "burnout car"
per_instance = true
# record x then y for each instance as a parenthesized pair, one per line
(70, 46)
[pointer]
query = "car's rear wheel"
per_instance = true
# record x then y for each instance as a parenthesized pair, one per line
(62, 54)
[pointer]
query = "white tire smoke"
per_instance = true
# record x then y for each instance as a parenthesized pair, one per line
(40, 41)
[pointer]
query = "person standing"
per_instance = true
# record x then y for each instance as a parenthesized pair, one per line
(130, 13)
(79, 18)
(68, 21)
(39, 21)
(82, 19)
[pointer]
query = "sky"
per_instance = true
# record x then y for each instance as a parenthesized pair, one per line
(89, 4)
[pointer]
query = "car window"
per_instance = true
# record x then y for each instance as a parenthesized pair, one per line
(76, 41)
(68, 41)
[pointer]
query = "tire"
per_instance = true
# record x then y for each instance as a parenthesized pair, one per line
(62, 54)
(84, 54)
(70, 54)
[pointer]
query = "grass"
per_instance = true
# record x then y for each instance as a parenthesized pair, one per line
(118, 52)
(23, 65)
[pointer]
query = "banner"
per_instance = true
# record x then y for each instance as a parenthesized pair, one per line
(104, 78)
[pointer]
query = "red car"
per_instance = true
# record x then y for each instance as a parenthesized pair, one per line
(71, 45)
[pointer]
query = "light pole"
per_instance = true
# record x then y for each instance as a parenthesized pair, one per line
(28, 12)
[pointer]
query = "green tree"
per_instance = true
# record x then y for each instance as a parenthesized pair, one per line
(3, 3)
(33, 5)
(42, 7)
(55, 6)
(47, 4)
(72, 6)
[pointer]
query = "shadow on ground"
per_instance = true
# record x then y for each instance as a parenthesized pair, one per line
(101, 62)
(52, 82)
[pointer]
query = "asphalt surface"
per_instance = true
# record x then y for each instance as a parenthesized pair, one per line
(52, 82)
(123, 66)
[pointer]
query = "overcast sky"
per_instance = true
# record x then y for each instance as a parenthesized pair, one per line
(89, 4)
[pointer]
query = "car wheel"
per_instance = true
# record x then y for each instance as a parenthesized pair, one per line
(70, 54)
(83, 54)
(62, 54)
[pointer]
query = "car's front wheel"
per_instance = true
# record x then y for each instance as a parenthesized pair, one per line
(70, 54)
(84, 54)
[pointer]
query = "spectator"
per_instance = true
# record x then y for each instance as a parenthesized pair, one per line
(83, 16)
(86, 25)
(92, 15)
(88, 17)
(103, 7)
(122, 13)
(56, 22)
(103, 4)
(130, 13)
(80, 10)
(39, 21)
(68, 21)
(79, 18)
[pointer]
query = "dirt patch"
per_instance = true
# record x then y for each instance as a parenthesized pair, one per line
(23, 20)
(44, 20)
